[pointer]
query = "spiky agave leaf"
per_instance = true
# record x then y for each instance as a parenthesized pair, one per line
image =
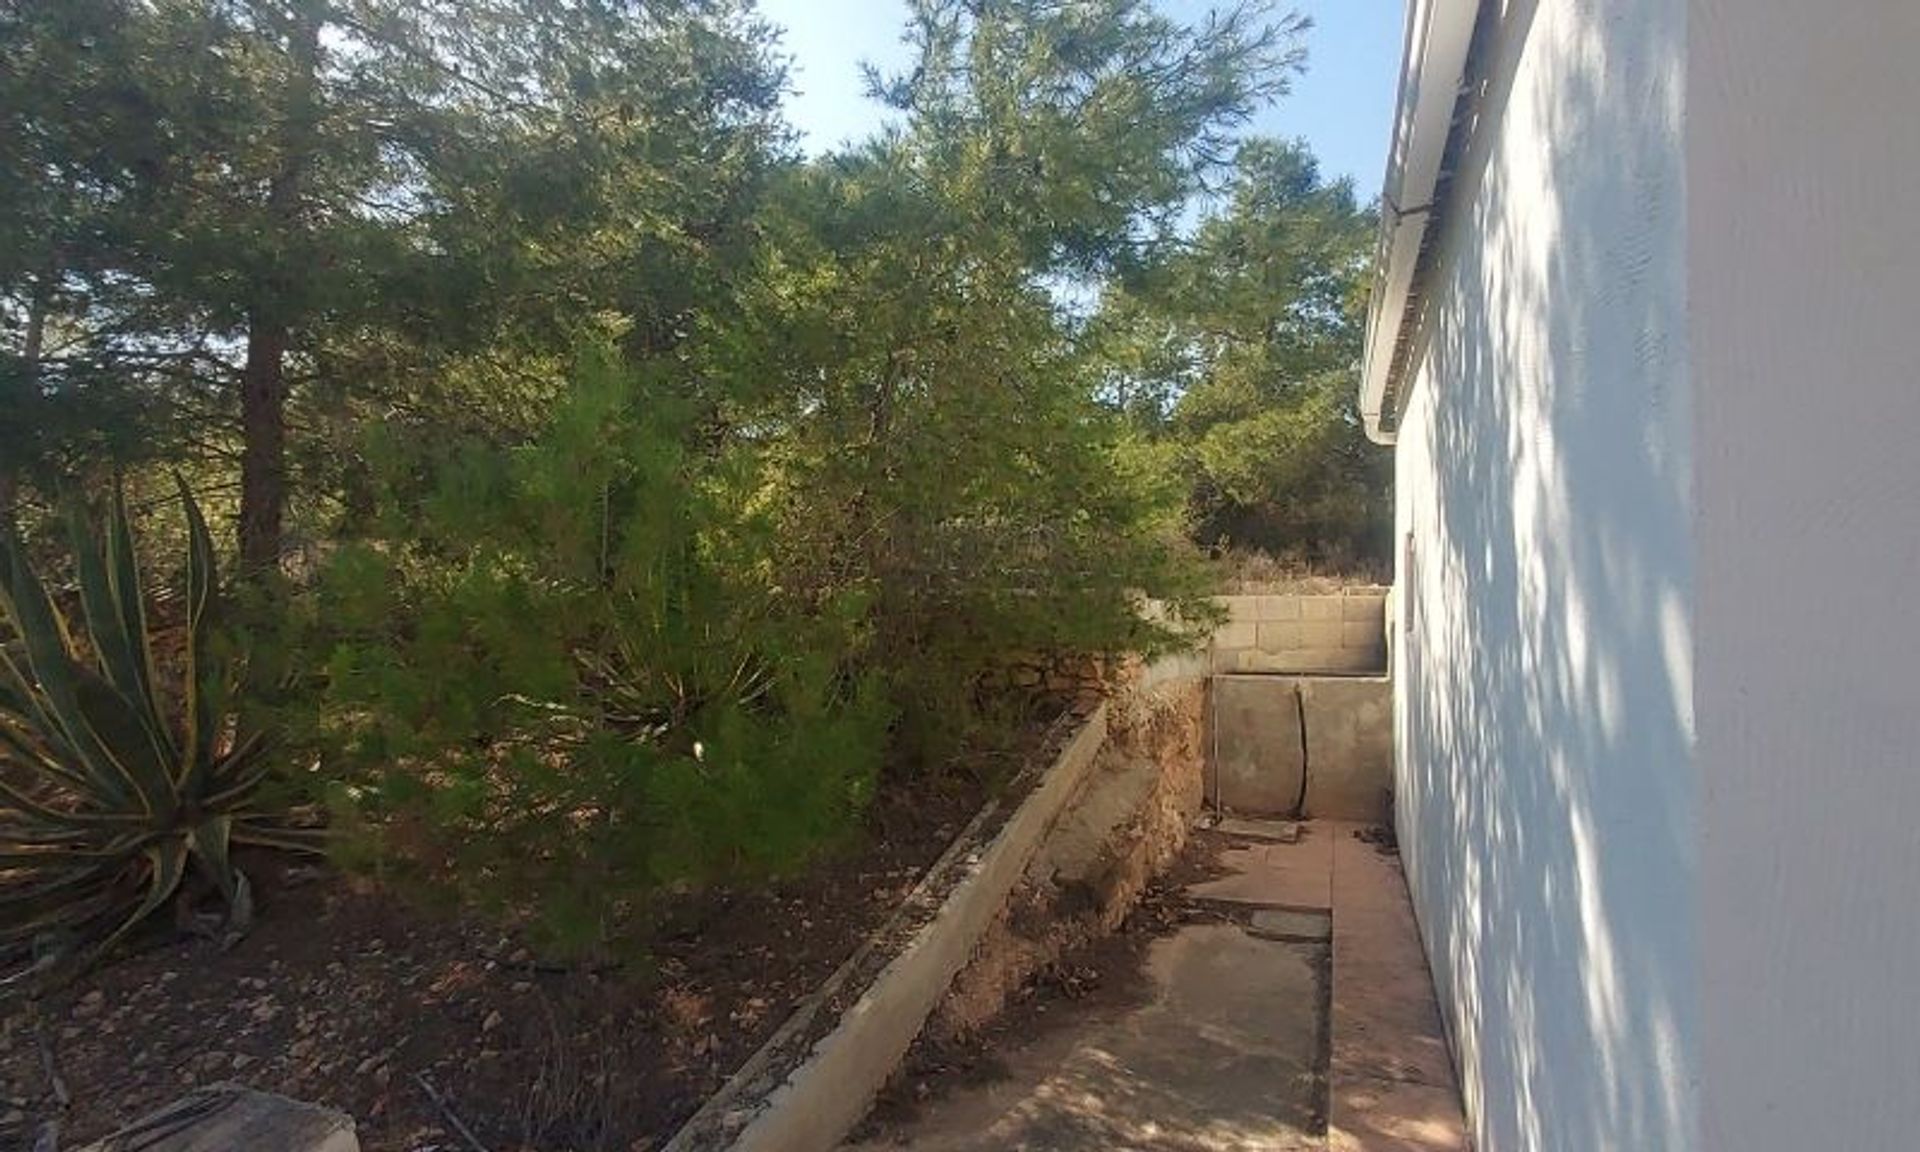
(200, 708)
(107, 793)
(49, 677)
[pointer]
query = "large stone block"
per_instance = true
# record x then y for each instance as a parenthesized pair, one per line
(1322, 634)
(230, 1118)
(1335, 659)
(1369, 634)
(1240, 608)
(1277, 607)
(1322, 607)
(1368, 606)
(1237, 634)
(1344, 750)
(1349, 747)
(1278, 635)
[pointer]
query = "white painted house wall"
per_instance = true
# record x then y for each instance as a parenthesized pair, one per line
(1803, 147)
(1658, 457)
(1548, 772)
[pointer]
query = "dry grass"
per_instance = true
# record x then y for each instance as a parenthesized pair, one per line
(1240, 572)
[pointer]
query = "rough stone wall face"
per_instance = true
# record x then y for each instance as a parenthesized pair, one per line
(1303, 633)
(1066, 679)
(1093, 867)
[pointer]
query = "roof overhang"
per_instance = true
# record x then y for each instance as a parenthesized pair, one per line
(1433, 80)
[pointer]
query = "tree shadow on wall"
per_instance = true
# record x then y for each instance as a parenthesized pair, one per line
(1546, 759)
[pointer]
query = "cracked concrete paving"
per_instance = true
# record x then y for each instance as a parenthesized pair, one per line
(1233, 1049)
(1223, 1053)
(1223, 1057)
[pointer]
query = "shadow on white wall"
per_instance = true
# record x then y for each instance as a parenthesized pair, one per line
(1546, 728)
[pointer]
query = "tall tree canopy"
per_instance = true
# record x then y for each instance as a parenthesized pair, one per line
(1239, 355)
(236, 221)
(621, 492)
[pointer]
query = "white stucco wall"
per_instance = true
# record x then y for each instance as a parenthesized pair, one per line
(1804, 218)
(1547, 751)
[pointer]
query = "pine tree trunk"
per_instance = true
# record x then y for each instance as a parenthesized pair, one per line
(263, 439)
(30, 353)
(263, 381)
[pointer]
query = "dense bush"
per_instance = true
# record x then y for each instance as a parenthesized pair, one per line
(566, 667)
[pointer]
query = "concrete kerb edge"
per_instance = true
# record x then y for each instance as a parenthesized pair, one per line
(827, 1095)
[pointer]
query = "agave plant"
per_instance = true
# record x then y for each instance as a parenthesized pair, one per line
(112, 784)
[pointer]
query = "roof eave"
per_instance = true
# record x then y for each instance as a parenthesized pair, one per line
(1432, 73)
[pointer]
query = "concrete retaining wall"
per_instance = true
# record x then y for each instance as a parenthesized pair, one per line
(1271, 732)
(1303, 633)
(1129, 820)
(811, 1107)
(771, 1105)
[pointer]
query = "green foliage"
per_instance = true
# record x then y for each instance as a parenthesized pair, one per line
(111, 785)
(943, 445)
(1241, 353)
(375, 197)
(562, 628)
(566, 665)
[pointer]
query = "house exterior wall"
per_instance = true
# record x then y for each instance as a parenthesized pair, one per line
(1803, 168)
(1547, 761)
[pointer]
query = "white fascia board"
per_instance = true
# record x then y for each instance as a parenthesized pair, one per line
(1432, 69)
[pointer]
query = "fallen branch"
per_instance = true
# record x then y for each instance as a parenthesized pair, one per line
(446, 1111)
(50, 1060)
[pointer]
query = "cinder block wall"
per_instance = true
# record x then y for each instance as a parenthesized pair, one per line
(1304, 633)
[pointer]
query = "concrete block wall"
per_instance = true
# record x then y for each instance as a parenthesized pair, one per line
(1337, 632)
(1319, 747)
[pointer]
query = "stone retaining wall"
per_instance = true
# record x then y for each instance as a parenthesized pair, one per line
(1340, 632)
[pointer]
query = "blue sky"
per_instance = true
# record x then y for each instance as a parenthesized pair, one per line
(1343, 106)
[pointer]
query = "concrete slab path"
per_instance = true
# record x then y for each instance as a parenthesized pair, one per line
(1233, 1048)
(1391, 1079)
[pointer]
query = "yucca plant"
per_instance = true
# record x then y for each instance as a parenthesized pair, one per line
(113, 783)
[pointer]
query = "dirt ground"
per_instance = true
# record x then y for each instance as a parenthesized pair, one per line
(354, 998)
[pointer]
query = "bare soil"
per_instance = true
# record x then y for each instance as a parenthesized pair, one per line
(354, 997)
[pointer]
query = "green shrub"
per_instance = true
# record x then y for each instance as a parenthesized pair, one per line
(565, 676)
(112, 782)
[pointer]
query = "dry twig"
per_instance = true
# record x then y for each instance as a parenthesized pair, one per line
(446, 1110)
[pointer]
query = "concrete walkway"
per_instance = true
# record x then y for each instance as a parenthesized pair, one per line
(1391, 1085)
(1233, 1048)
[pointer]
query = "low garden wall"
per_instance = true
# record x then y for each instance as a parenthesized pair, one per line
(813, 1081)
(1310, 747)
(1336, 632)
